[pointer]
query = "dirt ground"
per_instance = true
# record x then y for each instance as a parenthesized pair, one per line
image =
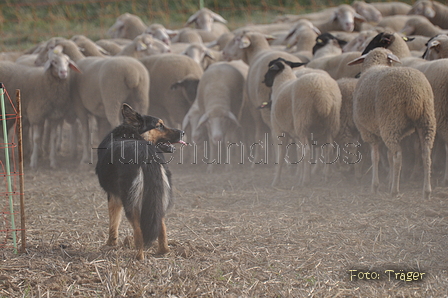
(232, 235)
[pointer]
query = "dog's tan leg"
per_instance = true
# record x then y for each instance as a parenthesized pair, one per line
(115, 208)
(163, 240)
(138, 235)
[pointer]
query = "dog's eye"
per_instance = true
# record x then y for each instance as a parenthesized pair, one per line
(159, 126)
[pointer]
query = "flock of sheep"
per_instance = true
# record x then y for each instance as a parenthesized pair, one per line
(353, 74)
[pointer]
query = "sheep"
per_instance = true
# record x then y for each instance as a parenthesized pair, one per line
(418, 25)
(314, 16)
(391, 41)
(343, 19)
(204, 20)
(303, 103)
(88, 47)
(168, 103)
(221, 41)
(392, 8)
(253, 48)
(45, 93)
(103, 87)
(301, 36)
(187, 35)
(127, 26)
(394, 22)
(436, 12)
(389, 103)
(436, 73)
(331, 59)
(368, 11)
(436, 48)
(202, 54)
(348, 135)
(159, 32)
(219, 99)
(112, 48)
(144, 45)
(358, 43)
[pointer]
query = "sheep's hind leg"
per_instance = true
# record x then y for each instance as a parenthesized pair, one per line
(375, 156)
(281, 151)
(37, 135)
(426, 146)
(53, 140)
(397, 160)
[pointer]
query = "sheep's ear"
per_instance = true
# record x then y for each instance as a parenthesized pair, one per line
(244, 42)
(269, 37)
(209, 55)
(290, 33)
(141, 46)
(358, 60)
(434, 45)
(359, 17)
(73, 66)
(193, 18)
(233, 118)
(186, 121)
(47, 64)
(202, 120)
(295, 64)
(172, 33)
(212, 44)
(392, 57)
(218, 18)
(130, 116)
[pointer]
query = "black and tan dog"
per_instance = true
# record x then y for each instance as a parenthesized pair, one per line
(133, 172)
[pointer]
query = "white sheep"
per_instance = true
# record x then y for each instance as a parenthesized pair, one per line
(389, 103)
(392, 8)
(301, 37)
(393, 22)
(110, 46)
(187, 35)
(436, 12)
(304, 102)
(106, 83)
(253, 48)
(343, 19)
(202, 54)
(219, 99)
(419, 25)
(45, 93)
(88, 47)
(144, 45)
(368, 11)
(207, 21)
(436, 48)
(329, 57)
(127, 26)
(161, 33)
(165, 70)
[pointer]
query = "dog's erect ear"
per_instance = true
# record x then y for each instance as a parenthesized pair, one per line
(130, 116)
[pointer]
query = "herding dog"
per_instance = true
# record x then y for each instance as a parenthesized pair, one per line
(133, 172)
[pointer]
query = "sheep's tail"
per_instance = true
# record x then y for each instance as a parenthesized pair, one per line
(414, 108)
(155, 201)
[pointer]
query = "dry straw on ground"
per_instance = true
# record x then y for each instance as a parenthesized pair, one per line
(231, 236)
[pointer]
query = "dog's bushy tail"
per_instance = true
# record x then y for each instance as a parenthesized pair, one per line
(156, 194)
